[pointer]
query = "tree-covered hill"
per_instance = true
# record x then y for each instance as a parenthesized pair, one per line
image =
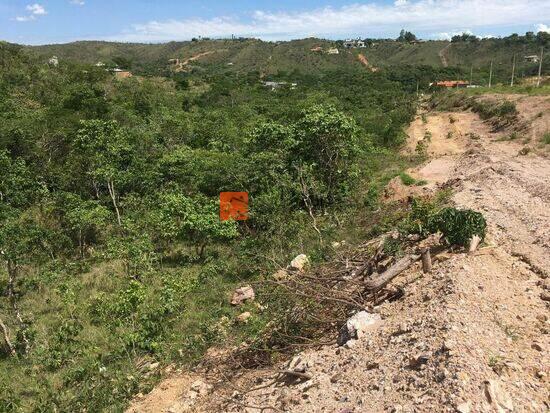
(244, 55)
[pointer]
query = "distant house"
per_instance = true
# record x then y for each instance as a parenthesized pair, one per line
(122, 74)
(174, 61)
(317, 49)
(532, 58)
(333, 50)
(100, 64)
(354, 43)
(274, 85)
(53, 61)
(278, 85)
(451, 83)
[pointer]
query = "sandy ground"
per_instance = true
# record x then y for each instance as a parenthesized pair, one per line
(471, 336)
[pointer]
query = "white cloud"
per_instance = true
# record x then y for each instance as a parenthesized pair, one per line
(429, 16)
(36, 9)
(25, 18)
(449, 35)
(78, 2)
(543, 28)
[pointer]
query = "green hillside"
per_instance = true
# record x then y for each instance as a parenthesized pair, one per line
(246, 55)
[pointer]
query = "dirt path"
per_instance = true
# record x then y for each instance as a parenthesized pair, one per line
(471, 336)
(364, 61)
(443, 55)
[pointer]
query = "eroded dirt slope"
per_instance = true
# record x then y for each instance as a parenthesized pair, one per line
(472, 336)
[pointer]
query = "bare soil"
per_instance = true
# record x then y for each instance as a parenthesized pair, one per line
(471, 336)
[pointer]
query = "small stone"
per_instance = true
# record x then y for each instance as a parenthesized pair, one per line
(419, 360)
(299, 263)
(545, 296)
(281, 275)
(463, 407)
(335, 378)
(536, 346)
(243, 318)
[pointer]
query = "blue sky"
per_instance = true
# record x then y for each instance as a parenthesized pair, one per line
(57, 21)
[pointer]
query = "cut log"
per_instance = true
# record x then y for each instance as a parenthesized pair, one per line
(380, 281)
(474, 242)
(426, 260)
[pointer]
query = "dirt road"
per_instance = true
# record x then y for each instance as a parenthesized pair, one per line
(471, 336)
(443, 55)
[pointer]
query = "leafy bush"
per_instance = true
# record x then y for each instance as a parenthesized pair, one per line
(458, 226)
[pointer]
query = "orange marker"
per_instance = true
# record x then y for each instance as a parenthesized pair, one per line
(233, 205)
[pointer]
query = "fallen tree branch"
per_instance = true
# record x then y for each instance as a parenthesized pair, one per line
(296, 374)
(377, 283)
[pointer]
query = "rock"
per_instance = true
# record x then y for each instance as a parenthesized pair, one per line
(299, 263)
(545, 296)
(298, 365)
(497, 397)
(536, 346)
(281, 275)
(200, 387)
(243, 318)
(357, 326)
(419, 360)
(336, 244)
(153, 366)
(463, 407)
(242, 294)
(336, 377)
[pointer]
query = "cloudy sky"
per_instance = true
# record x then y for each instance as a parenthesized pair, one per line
(56, 21)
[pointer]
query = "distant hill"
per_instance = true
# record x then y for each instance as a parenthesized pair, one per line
(245, 55)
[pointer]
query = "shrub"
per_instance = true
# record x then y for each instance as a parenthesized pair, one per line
(546, 138)
(458, 226)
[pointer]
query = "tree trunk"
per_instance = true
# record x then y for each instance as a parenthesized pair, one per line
(5, 331)
(112, 193)
(12, 274)
(377, 283)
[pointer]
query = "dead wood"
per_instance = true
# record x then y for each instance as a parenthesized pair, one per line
(380, 281)
(426, 260)
(296, 374)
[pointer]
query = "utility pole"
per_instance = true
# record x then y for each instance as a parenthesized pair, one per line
(540, 65)
(417, 88)
(491, 74)
(513, 70)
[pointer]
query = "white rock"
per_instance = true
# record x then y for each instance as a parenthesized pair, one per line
(358, 326)
(463, 407)
(242, 294)
(497, 397)
(300, 262)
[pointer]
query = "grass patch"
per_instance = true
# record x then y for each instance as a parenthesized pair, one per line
(407, 179)
(546, 138)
